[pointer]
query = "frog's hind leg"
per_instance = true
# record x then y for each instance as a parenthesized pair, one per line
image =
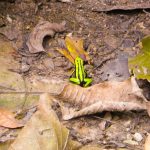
(75, 80)
(87, 81)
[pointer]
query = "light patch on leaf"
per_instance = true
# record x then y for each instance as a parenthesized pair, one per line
(7, 119)
(147, 143)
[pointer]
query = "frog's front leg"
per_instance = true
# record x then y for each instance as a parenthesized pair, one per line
(75, 80)
(87, 81)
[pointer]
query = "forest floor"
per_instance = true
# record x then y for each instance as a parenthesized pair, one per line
(111, 31)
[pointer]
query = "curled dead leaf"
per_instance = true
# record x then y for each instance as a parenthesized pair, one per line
(43, 29)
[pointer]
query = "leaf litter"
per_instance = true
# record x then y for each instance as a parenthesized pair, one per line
(69, 92)
(82, 120)
(123, 96)
(43, 131)
(87, 102)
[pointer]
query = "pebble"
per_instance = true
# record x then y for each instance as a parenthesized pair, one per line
(138, 137)
(131, 142)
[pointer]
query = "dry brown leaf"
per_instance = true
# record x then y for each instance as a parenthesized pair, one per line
(7, 119)
(74, 48)
(66, 54)
(147, 143)
(43, 29)
(107, 96)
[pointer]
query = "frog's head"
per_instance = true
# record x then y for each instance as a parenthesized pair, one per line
(79, 61)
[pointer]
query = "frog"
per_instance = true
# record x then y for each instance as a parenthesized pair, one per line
(80, 74)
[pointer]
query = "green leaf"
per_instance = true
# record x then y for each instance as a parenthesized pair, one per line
(146, 45)
(140, 64)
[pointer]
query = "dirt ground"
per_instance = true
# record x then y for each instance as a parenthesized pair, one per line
(111, 31)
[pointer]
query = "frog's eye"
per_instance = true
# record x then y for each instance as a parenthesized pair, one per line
(77, 59)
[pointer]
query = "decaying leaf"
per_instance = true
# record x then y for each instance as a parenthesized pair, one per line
(140, 64)
(43, 131)
(43, 29)
(107, 96)
(74, 48)
(115, 5)
(7, 119)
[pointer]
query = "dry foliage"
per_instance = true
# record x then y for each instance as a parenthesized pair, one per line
(107, 96)
(43, 131)
(72, 48)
